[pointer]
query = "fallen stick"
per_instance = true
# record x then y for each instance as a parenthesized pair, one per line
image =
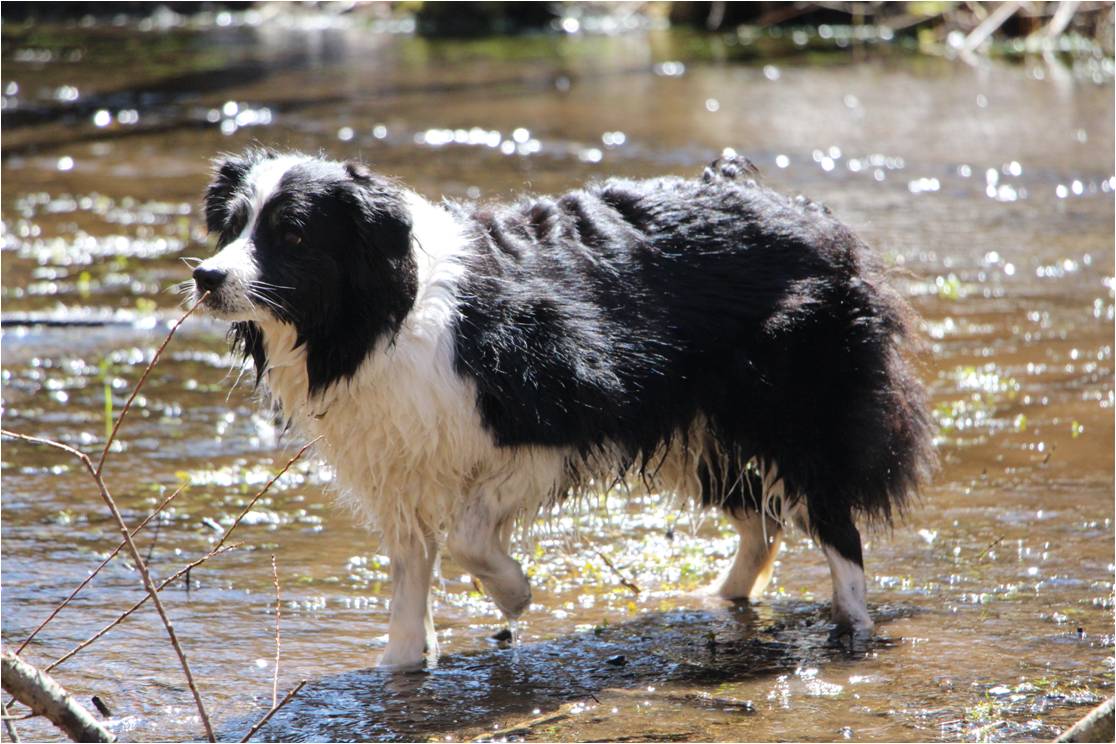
(524, 727)
(624, 581)
(9, 723)
(988, 26)
(39, 692)
(275, 709)
(278, 615)
(1099, 725)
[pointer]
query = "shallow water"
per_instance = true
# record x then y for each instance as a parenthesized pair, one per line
(989, 189)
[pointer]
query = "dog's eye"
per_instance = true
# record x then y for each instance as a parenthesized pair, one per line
(292, 239)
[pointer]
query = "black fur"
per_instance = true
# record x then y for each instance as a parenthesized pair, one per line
(611, 319)
(618, 314)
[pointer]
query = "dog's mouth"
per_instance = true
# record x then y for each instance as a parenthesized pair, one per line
(223, 304)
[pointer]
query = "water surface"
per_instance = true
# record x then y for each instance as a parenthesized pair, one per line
(988, 189)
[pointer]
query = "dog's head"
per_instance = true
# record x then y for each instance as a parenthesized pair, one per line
(321, 246)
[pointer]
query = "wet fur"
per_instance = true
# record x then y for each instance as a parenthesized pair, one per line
(468, 365)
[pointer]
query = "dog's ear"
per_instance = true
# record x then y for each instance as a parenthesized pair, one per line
(383, 220)
(229, 172)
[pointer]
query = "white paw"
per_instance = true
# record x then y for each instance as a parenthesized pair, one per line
(407, 656)
(514, 603)
(855, 622)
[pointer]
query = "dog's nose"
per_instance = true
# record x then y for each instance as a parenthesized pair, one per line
(209, 280)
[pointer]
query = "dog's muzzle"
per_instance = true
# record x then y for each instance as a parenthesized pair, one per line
(209, 280)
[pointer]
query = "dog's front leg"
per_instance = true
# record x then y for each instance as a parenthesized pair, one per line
(411, 630)
(478, 540)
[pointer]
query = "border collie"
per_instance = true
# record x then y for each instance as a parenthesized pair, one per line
(470, 365)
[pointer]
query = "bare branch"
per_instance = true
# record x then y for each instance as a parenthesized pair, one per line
(95, 472)
(145, 575)
(97, 570)
(141, 566)
(217, 549)
(142, 380)
(988, 26)
(623, 579)
(275, 709)
(265, 489)
(39, 692)
(124, 615)
(9, 723)
(40, 440)
(278, 614)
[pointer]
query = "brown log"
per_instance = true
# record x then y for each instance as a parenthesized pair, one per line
(1099, 725)
(39, 692)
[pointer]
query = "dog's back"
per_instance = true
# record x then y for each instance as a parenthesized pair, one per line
(618, 315)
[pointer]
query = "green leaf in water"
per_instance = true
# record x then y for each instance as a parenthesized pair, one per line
(84, 283)
(106, 380)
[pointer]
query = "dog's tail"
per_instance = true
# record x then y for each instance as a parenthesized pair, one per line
(862, 434)
(829, 396)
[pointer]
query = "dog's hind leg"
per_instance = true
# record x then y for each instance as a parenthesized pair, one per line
(411, 628)
(479, 540)
(751, 569)
(839, 539)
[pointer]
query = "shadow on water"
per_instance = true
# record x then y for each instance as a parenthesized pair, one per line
(472, 693)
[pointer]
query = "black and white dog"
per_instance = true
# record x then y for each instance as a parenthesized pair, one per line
(470, 365)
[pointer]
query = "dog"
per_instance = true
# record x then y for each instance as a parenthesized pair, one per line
(468, 365)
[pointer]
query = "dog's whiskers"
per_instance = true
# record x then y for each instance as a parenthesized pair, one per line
(268, 285)
(255, 293)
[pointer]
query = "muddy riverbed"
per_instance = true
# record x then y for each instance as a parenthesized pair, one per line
(988, 189)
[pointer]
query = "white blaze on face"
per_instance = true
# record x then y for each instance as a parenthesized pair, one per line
(237, 259)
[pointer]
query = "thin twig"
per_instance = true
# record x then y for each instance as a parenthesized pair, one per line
(988, 26)
(524, 727)
(991, 545)
(40, 440)
(265, 489)
(623, 579)
(185, 570)
(278, 613)
(275, 709)
(9, 723)
(148, 585)
(142, 380)
(97, 570)
(1061, 19)
(154, 542)
(124, 615)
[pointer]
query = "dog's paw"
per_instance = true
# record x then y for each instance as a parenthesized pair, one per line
(513, 604)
